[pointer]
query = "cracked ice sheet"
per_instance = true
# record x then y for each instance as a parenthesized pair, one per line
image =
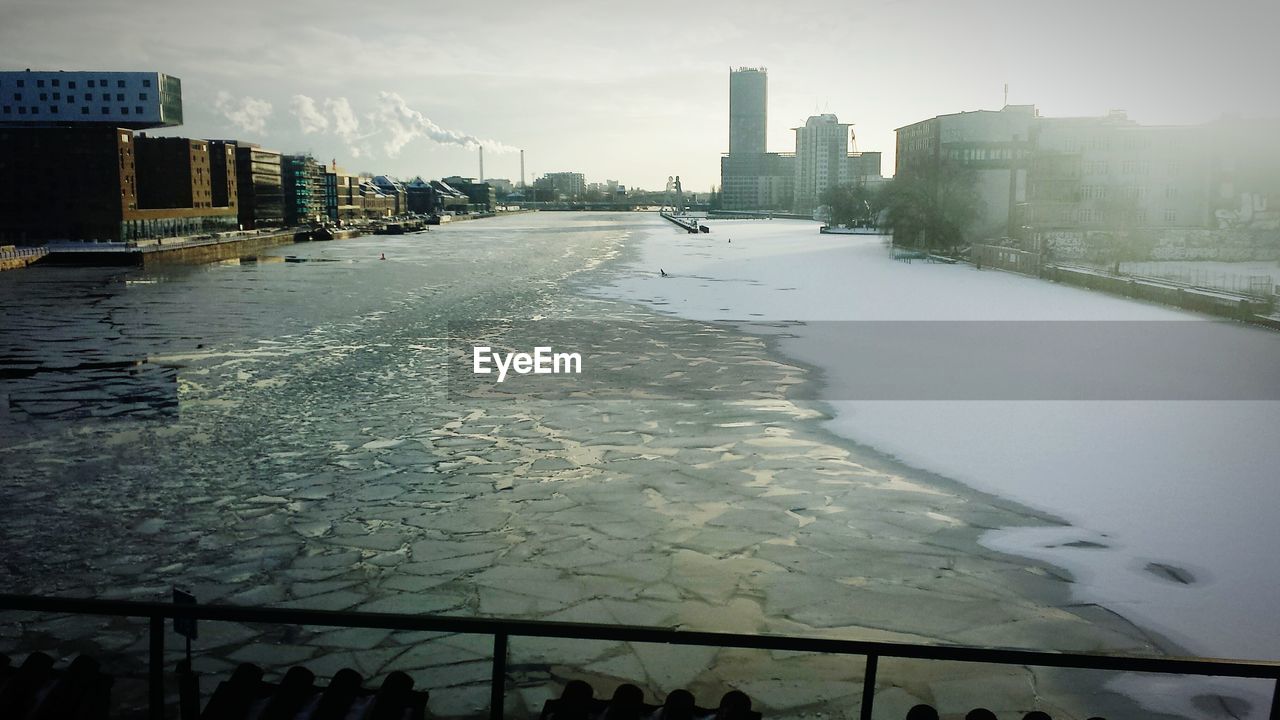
(1181, 485)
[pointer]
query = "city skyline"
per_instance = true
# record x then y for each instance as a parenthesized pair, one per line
(639, 94)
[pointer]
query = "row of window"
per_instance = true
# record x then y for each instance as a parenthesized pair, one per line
(88, 97)
(57, 82)
(1094, 215)
(1100, 192)
(55, 109)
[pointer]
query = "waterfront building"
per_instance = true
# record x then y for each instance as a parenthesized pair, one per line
(757, 182)
(302, 182)
(823, 160)
(331, 193)
(565, 185)
(177, 172)
(100, 193)
(751, 178)
(394, 189)
(375, 203)
(1076, 184)
(348, 202)
(421, 197)
(223, 175)
(481, 195)
(501, 186)
(1111, 174)
(450, 198)
(748, 110)
(994, 145)
(259, 191)
(135, 100)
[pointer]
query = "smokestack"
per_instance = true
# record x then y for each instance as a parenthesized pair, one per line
(481, 163)
(522, 168)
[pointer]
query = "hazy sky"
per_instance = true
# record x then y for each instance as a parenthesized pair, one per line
(639, 91)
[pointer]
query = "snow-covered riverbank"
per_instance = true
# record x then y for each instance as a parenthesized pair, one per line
(1169, 503)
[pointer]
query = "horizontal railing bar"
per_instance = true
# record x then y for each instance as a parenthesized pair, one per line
(633, 633)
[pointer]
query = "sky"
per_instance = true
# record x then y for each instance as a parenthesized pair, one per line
(637, 92)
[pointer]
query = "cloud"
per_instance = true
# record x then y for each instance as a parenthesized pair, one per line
(310, 119)
(402, 125)
(248, 113)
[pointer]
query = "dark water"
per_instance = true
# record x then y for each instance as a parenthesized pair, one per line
(284, 433)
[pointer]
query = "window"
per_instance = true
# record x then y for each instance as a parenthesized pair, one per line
(119, 83)
(53, 108)
(57, 96)
(142, 96)
(106, 111)
(39, 83)
(90, 83)
(56, 82)
(1171, 191)
(1170, 216)
(119, 97)
(17, 96)
(22, 110)
(8, 110)
(138, 110)
(106, 96)
(71, 84)
(124, 111)
(102, 82)
(44, 96)
(146, 83)
(22, 83)
(84, 110)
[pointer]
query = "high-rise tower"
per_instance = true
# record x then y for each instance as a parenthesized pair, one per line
(748, 102)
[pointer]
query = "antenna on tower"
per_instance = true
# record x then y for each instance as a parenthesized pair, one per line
(1006, 94)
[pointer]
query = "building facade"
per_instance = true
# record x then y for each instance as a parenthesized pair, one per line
(994, 146)
(1111, 174)
(98, 194)
(178, 173)
(259, 190)
(823, 161)
(302, 183)
(748, 110)
(136, 100)
(566, 185)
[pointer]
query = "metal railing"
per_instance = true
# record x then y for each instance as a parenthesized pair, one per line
(503, 629)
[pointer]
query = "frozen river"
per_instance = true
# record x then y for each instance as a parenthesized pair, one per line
(286, 433)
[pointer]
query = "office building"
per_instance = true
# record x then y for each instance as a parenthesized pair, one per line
(994, 146)
(823, 160)
(565, 185)
(96, 185)
(302, 182)
(748, 110)
(135, 100)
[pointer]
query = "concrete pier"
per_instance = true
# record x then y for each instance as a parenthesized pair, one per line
(12, 258)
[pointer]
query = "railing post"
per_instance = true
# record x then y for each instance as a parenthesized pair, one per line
(497, 690)
(869, 687)
(155, 683)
